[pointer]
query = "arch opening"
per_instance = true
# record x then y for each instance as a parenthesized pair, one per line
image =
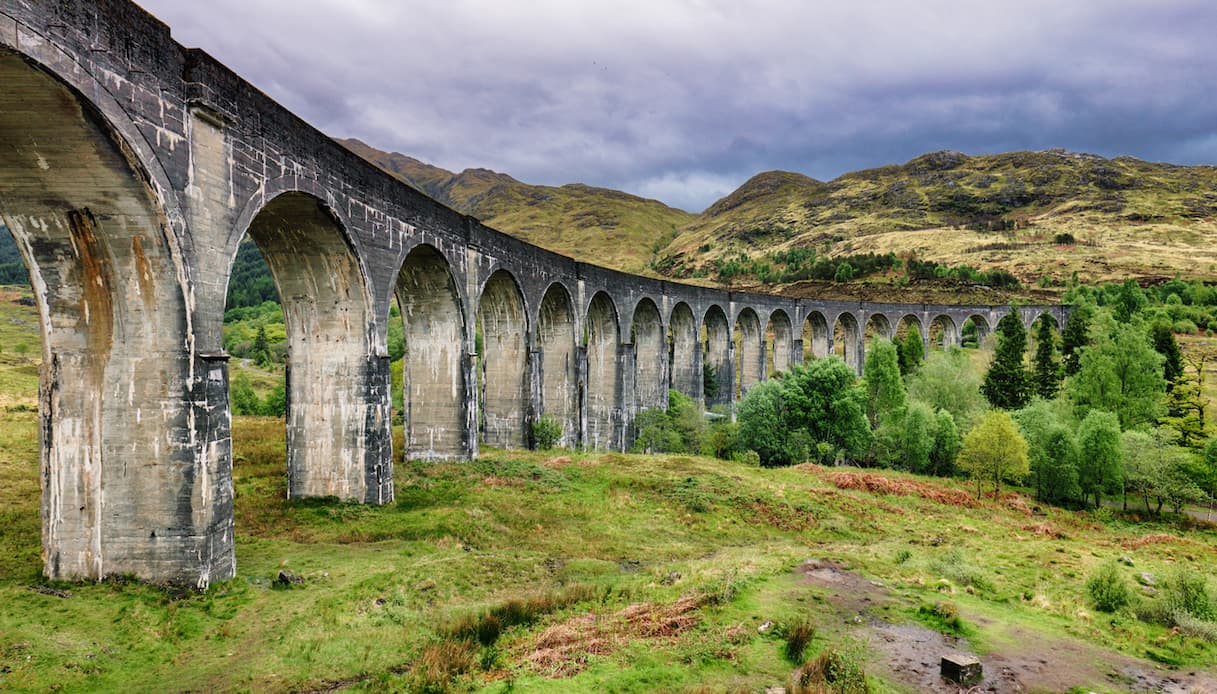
(503, 362)
(942, 333)
(603, 394)
(779, 343)
(847, 340)
(559, 385)
(749, 352)
(816, 337)
(434, 414)
(685, 359)
(330, 367)
(973, 332)
(650, 357)
(717, 374)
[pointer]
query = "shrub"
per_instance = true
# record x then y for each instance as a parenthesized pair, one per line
(943, 617)
(799, 634)
(440, 664)
(546, 432)
(1187, 593)
(1107, 588)
(830, 671)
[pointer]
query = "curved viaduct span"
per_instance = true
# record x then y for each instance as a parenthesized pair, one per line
(131, 168)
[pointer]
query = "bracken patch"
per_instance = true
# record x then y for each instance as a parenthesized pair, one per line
(877, 484)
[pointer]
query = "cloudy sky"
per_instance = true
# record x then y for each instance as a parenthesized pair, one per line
(684, 100)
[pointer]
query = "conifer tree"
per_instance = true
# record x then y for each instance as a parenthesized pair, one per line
(1047, 374)
(1074, 337)
(1007, 385)
(1165, 344)
(912, 351)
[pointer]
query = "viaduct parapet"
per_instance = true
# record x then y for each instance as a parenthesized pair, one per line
(130, 170)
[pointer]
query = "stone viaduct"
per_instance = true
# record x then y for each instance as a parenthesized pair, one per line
(130, 170)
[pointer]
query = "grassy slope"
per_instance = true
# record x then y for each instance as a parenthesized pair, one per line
(1131, 217)
(629, 530)
(596, 225)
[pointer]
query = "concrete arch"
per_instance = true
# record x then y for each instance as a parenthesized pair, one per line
(329, 318)
(434, 365)
(780, 342)
(716, 350)
(749, 351)
(942, 332)
(1037, 316)
(556, 330)
(878, 325)
(982, 329)
(685, 353)
(907, 322)
(94, 218)
(650, 356)
(817, 338)
(847, 340)
(503, 362)
(603, 395)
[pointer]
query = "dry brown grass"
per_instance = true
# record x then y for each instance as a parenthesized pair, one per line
(563, 649)
(878, 484)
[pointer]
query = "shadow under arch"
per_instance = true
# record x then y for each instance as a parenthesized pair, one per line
(684, 352)
(779, 342)
(503, 362)
(556, 330)
(750, 351)
(817, 343)
(603, 396)
(650, 357)
(93, 218)
(718, 375)
(436, 415)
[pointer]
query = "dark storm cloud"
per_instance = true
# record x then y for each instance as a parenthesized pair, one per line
(683, 100)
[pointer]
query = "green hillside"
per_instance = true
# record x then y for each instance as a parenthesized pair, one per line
(1038, 215)
(596, 225)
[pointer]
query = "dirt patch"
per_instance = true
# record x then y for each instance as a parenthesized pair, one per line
(910, 653)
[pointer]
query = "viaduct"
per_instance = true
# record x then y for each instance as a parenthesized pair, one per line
(130, 170)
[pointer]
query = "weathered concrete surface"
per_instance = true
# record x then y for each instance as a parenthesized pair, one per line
(130, 170)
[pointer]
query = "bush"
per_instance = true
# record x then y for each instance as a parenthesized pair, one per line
(1187, 593)
(944, 618)
(1107, 588)
(830, 671)
(546, 432)
(799, 635)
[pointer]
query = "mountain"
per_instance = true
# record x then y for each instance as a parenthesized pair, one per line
(597, 225)
(1038, 215)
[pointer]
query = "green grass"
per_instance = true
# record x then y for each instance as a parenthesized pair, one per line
(559, 572)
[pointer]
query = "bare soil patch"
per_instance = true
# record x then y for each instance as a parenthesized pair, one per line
(910, 653)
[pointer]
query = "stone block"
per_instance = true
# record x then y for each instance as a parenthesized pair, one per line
(961, 669)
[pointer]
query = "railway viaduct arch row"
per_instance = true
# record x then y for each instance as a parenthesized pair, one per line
(130, 170)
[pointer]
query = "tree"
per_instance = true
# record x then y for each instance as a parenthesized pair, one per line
(994, 450)
(824, 399)
(1052, 451)
(885, 394)
(261, 349)
(1047, 373)
(917, 437)
(244, 400)
(709, 381)
(1164, 343)
(949, 381)
(946, 444)
(1130, 300)
(912, 352)
(1121, 373)
(1007, 384)
(1099, 454)
(1074, 337)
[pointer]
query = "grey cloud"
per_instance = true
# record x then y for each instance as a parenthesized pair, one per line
(684, 99)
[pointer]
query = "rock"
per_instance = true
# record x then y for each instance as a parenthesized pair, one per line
(1125, 560)
(671, 578)
(961, 669)
(425, 585)
(287, 579)
(764, 627)
(1145, 578)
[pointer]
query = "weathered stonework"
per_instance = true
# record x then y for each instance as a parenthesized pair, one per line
(130, 170)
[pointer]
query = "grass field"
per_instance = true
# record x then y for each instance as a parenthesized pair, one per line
(560, 572)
